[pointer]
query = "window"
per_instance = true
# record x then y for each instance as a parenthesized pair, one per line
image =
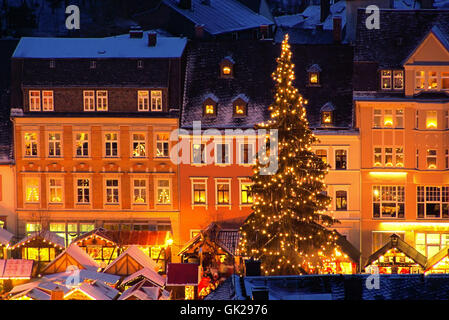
(314, 78)
(54, 144)
(386, 79)
(55, 190)
(433, 80)
(162, 145)
(429, 244)
(445, 80)
(420, 80)
(389, 157)
(140, 191)
(240, 109)
(222, 153)
(223, 193)
(82, 191)
(246, 196)
(388, 201)
(227, 68)
(30, 144)
(399, 155)
(143, 100)
(89, 100)
(326, 117)
(163, 191)
(340, 159)
(32, 190)
(93, 64)
(35, 100)
(209, 109)
(139, 145)
(31, 227)
(431, 159)
(156, 100)
(341, 203)
(322, 154)
(377, 118)
(111, 144)
(431, 120)
(112, 191)
(398, 79)
(199, 192)
(82, 144)
(399, 118)
(388, 118)
(198, 153)
(246, 153)
(47, 101)
(102, 100)
(446, 159)
(378, 157)
(433, 202)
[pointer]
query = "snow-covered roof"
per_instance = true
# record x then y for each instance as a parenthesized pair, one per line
(16, 269)
(85, 275)
(45, 235)
(98, 48)
(138, 255)
(144, 290)
(95, 291)
(221, 16)
(148, 274)
(289, 20)
(5, 237)
(78, 255)
(439, 4)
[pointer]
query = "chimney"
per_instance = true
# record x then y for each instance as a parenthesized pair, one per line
(264, 31)
(152, 39)
(325, 9)
(57, 294)
(185, 4)
(199, 31)
(135, 32)
(337, 29)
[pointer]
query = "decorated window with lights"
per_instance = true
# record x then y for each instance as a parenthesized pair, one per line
(431, 120)
(385, 76)
(433, 80)
(112, 191)
(163, 191)
(111, 143)
(240, 105)
(399, 118)
(83, 190)
(139, 145)
(31, 145)
(430, 244)
(388, 201)
(156, 100)
(420, 80)
(327, 114)
(31, 227)
(89, 100)
(246, 197)
(35, 100)
(32, 189)
(199, 192)
(341, 159)
(140, 191)
(314, 72)
(227, 68)
(322, 154)
(432, 202)
(388, 119)
(210, 106)
(341, 200)
(162, 145)
(102, 100)
(82, 144)
(54, 144)
(47, 100)
(143, 100)
(55, 190)
(378, 157)
(398, 79)
(393, 156)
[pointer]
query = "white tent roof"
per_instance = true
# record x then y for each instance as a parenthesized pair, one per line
(149, 274)
(79, 255)
(85, 275)
(138, 255)
(5, 237)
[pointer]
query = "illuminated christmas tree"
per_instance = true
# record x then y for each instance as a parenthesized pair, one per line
(288, 229)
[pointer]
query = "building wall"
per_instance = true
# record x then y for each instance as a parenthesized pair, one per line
(8, 197)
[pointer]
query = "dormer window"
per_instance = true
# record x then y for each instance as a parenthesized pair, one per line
(227, 68)
(240, 106)
(314, 75)
(386, 79)
(210, 105)
(392, 79)
(327, 114)
(209, 109)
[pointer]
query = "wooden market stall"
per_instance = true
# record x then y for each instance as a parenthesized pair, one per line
(182, 280)
(130, 261)
(5, 240)
(439, 263)
(396, 257)
(347, 260)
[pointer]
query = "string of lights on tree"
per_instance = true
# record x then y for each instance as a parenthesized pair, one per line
(288, 230)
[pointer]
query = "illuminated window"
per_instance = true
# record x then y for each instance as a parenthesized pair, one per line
(431, 120)
(111, 143)
(189, 293)
(446, 159)
(199, 192)
(31, 227)
(246, 196)
(378, 157)
(399, 155)
(445, 80)
(386, 79)
(314, 75)
(420, 81)
(30, 144)
(54, 144)
(32, 190)
(223, 193)
(377, 118)
(59, 229)
(433, 202)
(240, 110)
(326, 117)
(246, 153)
(156, 100)
(93, 64)
(47, 101)
(322, 154)
(102, 100)
(139, 144)
(143, 100)
(89, 100)
(431, 159)
(198, 153)
(388, 157)
(140, 191)
(83, 191)
(340, 159)
(399, 118)
(398, 79)
(209, 109)
(388, 201)
(388, 118)
(162, 145)
(55, 190)
(227, 68)
(86, 227)
(433, 80)
(222, 153)
(38, 254)
(429, 244)
(35, 100)
(341, 200)
(112, 190)
(82, 145)
(163, 191)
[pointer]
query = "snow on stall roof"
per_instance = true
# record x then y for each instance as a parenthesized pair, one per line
(85, 275)
(46, 235)
(149, 274)
(25, 287)
(138, 255)
(79, 255)
(5, 236)
(38, 294)
(17, 268)
(221, 16)
(95, 292)
(111, 47)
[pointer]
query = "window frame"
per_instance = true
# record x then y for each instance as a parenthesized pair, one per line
(111, 143)
(141, 190)
(89, 100)
(218, 182)
(156, 95)
(54, 142)
(83, 188)
(396, 202)
(163, 142)
(387, 77)
(248, 195)
(422, 200)
(198, 181)
(346, 156)
(77, 141)
(55, 187)
(432, 156)
(241, 153)
(337, 197)
(32, 143)
(25, 189)
(34, 102)
(115, 191)
(137, 143)
(47, 101)
(169, 202)
(228, 153)
(102, 100)
(143, 100)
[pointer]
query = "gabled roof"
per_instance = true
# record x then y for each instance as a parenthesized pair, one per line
(440, 36)
(182, 274)
(44, 235)
(349, 249)
(144, 290)
(5, 237)
(85, 274)
(440, 255)
(396, 242)
(221, 16)
(134, 254)
(16, 269)
(148, 274)
(73, 255)
(96, 291)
